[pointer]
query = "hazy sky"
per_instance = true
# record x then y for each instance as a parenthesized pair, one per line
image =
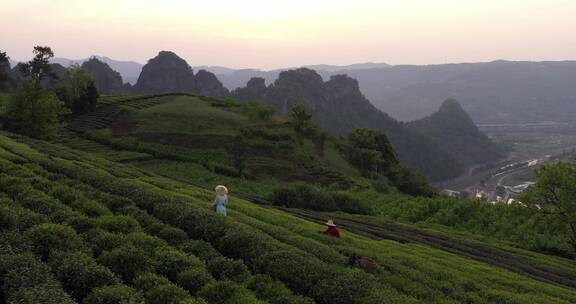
(273, 33)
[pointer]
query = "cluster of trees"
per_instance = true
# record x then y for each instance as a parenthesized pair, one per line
(36, 109)
(371, 152)
(301, 120)
(554, 194)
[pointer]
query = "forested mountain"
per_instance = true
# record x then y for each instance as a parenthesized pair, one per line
(167, 73)
(106, 79)
(338, 106)
(452, 128)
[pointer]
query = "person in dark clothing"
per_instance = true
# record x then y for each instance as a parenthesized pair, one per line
(352, 260)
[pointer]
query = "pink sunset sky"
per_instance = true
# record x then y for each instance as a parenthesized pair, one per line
(270, 34)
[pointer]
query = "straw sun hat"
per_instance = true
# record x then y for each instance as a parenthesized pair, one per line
(221, 190)
(330, 223)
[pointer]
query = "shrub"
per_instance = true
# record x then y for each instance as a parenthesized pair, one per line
(243, 244)
(21, 271)
(310, 197)
(146, 242)
(298, 272)
(8, 217)
(342, 288)
(174, 236)
(41, 203)
(226, 292)
(25, 279)
(127, 261)
(47, 237)
(170, 262)
(116, 294)
(274, 292)
(198, 223)
(412, 182)
(158, 289)
(79, 273)
(201, 249)
(118, 223)
(64, 193)
(382, 185)
(102, 240)
(193, 279)
(155, 228)
(11, 242)
(28, 218)
(167, 294)
(81, 223)
(45, 294)
(256, 110)
(141, 216)
(90, 208)
(224, 170)
(148, 280)
(223, 268)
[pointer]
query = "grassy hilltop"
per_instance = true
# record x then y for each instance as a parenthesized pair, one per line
(117, 208)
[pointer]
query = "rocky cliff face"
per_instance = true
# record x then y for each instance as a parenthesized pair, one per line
(254, 90)
(339, 106)
(106, 79)
(168, 73)
(209, 85)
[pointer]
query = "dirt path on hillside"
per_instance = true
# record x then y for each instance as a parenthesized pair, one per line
(405, 234)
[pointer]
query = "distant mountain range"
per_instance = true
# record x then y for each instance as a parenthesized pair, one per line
(491, 92)
(130, 70)
(442, 145)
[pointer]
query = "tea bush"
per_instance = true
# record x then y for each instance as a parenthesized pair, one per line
(44, 238)
(309, 197)
(119, 293)
(80, 273)
(228, 269)
(194, 279)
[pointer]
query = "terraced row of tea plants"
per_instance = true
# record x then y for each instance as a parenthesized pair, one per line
(77, 227)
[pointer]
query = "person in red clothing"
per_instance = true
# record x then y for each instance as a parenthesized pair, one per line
(332, 230)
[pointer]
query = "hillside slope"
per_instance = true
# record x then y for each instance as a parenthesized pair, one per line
(339, 106)
(266, 241)
(204, 132)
